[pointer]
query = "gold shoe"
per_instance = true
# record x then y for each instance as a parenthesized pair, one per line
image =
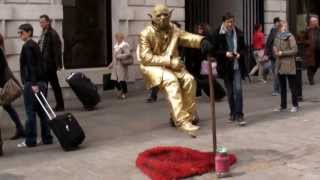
(189, 127)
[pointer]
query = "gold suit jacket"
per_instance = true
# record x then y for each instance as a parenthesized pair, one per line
(154, 46)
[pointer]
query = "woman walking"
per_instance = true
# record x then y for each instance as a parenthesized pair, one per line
(5, 75)
(285, 48)
(258, 46)
(119, 70)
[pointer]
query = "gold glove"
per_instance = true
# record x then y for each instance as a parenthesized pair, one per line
(176, 64)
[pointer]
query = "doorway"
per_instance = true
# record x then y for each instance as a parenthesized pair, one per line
(86, 31)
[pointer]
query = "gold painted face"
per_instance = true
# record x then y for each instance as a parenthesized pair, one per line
(161, 16)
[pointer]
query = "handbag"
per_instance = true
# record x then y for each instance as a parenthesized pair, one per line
(10, 92)
(205, 68)
(108, 84)
(127, 61)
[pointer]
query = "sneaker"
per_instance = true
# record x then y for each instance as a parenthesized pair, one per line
(275, 94)
(294, 109)
(280, 109)
(263, 81)
(241, 121)
(22, 144)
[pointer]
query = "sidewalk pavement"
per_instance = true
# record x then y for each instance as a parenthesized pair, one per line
(277, 146)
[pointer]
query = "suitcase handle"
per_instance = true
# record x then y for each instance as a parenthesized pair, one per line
(45, 106)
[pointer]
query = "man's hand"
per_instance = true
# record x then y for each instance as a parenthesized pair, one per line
(35, 89)
(176, 64)
(229, 55)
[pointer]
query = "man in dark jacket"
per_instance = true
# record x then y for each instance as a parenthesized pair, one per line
(229, 50)
(50, 45)
(270, 53)
(34, 79)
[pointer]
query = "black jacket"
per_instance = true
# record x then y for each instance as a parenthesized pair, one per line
(51, 50)
(32, 66)
(269, 44)
(220, 48)
(4, 69)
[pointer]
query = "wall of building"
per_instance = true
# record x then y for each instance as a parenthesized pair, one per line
(15, 12)
(274, 8)
(131, 16)
(128, 16)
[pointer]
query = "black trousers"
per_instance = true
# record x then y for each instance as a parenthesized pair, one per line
(54, 82)
(154, 93)
(311, 73)
(122, 86)
(15, 117)
(283, 88)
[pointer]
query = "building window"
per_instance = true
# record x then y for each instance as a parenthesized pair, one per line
(87, 33)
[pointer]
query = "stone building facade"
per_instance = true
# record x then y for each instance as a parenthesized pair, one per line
(127, 16)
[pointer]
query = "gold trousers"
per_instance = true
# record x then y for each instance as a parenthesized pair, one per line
(180, 90)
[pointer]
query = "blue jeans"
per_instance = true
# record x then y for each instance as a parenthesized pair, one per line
(32, 108)
(234, 92)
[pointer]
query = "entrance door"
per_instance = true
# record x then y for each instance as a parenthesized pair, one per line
(86, 28)
(298, 12)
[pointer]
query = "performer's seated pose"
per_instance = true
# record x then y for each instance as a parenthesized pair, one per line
(162, 66)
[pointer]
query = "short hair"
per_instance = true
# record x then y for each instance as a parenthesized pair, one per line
(227, 16)
(276, 20)
(27, 28)
(46, 17)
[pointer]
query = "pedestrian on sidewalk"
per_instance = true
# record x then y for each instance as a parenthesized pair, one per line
(5, 75)
(229, 50)
(50, 46)
(119, 71)
(312, 44)
(34, 79)
(271, 55)
(258, 45)
(285, 49)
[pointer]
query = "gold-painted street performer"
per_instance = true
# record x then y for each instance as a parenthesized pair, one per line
(162, 66)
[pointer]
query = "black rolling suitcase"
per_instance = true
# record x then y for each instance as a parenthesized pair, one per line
(65, 127)
(219, 92)
(84, 89)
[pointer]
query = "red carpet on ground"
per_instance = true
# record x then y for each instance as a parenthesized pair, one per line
(175, 163)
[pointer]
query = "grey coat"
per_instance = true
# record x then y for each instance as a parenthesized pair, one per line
(120, 72)
(286, 63)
